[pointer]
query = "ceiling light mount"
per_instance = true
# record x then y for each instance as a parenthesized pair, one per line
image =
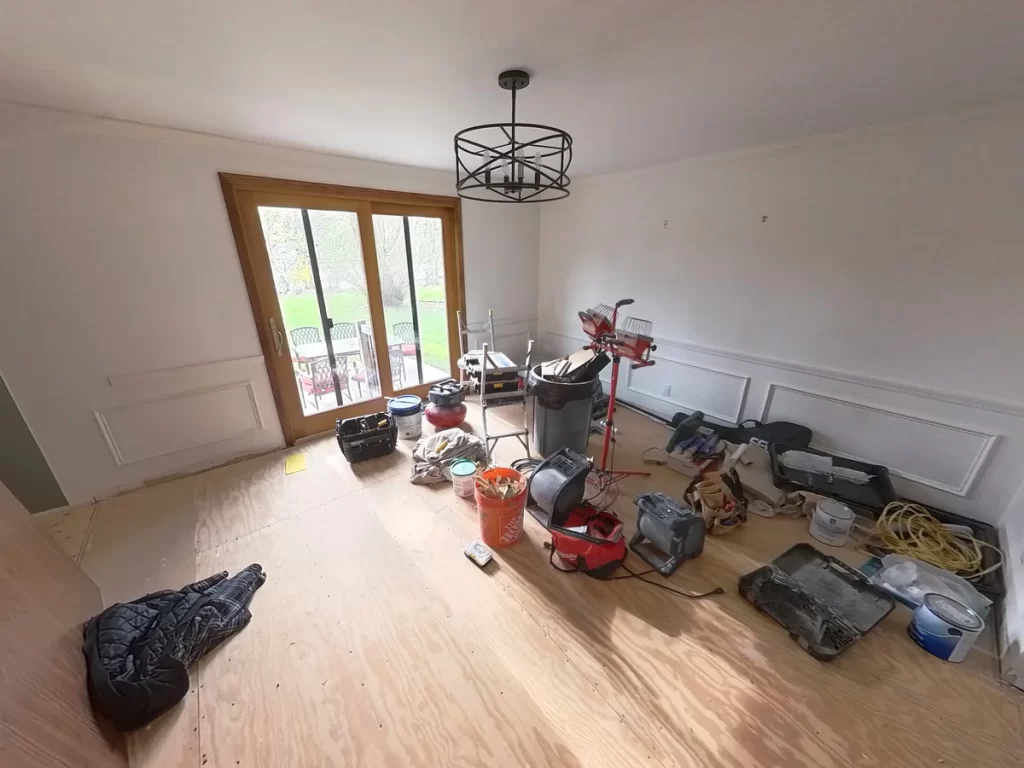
(514, 79)
(512, 162)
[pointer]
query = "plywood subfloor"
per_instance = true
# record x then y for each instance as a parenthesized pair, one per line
(376, 643)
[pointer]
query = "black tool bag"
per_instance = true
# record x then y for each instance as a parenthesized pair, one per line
(787, 432)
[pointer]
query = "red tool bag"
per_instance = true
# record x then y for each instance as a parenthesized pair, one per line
(591, 541)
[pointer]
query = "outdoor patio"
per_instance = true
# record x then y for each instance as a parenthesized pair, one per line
(327, 401)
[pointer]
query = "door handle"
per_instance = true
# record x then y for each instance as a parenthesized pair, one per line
(278, 337)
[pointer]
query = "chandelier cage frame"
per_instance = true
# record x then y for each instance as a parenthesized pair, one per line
(513, 170)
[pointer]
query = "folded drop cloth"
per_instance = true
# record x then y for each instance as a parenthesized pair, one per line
(433, 455)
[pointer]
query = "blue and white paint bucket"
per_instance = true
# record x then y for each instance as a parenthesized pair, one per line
(408, 413)
(944, 627)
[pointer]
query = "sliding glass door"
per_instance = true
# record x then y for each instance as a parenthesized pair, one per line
(317, 263)
(354, 293)
(410, 257)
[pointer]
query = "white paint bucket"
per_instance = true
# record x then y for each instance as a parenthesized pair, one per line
(464, 477)
(408, 413)
(831, 522)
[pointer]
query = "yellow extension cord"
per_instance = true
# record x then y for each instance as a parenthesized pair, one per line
(909, 529)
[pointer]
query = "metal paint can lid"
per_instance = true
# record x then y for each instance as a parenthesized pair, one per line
(835, 509)
(405, 405)
(953, 612)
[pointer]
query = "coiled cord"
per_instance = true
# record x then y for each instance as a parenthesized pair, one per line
(909, 529)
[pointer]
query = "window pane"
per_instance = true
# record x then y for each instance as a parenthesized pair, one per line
(339, 263)
(419, 339)
(339, 256)
(285, 238)
(431, 301)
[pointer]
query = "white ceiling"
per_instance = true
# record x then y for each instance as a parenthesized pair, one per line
(634, 81)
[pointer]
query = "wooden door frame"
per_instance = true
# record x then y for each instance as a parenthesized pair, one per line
(241, 191)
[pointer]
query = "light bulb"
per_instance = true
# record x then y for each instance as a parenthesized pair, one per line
(520, 158)
(487, 166)
(537, 166)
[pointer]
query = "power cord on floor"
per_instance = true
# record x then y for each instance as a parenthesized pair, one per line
(634, 575)
(673, 590)
(526, 466)
(909, 529)
(659, 462)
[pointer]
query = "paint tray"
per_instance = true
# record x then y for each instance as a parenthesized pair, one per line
(824, 604)
(871, 496)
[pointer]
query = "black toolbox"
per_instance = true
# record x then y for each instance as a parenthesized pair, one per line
(366, 437)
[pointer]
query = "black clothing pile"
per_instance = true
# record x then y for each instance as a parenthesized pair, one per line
(138, 653)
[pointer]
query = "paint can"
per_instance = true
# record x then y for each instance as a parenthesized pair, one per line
(464, 477)
(831, 522)
(408, 413)
(944, 627)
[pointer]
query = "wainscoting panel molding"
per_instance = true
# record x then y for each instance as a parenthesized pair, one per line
(943, 456)
(552, 326)
(165, 425)
(719, 394)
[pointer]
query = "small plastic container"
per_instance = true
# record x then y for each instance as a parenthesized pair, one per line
(464, 477)
(408, 413)
(501, 520)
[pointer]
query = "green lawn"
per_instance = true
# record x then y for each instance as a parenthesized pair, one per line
(349, 307)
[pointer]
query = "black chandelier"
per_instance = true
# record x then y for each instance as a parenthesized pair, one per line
(512, 162)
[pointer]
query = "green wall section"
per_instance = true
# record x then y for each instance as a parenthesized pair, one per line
(22, 467)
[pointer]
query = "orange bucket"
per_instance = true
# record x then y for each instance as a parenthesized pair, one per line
(501, 520)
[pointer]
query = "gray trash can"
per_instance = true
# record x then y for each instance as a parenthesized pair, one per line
(561, 413)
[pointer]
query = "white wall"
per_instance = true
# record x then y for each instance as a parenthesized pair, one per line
(880, 302)
(123, 313)
(1012, 639)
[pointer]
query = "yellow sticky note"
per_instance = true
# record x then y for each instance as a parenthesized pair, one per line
(296, 462)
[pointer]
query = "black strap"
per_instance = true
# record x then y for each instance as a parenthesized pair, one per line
(551, 561)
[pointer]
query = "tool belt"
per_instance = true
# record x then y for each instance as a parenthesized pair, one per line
(719, 498)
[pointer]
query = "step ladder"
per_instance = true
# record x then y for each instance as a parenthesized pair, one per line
(498, 382)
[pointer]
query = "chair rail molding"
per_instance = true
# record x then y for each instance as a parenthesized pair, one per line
(556, 326)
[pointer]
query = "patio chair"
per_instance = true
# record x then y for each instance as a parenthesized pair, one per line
(407, 333)
(305, 334)
(318, 381)
(341, 331)
(395, 356)
(369, 374)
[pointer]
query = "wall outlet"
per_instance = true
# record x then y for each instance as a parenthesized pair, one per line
(666, 391)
